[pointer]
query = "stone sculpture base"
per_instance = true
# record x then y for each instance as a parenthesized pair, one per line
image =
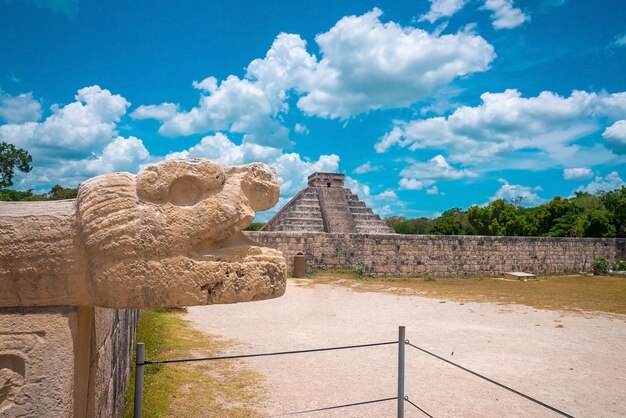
(64, 361)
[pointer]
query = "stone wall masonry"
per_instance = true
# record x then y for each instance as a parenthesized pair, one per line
(438, 255)
(113, 341)
(65, 361)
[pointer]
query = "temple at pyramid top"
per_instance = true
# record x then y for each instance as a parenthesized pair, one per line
(326, 205)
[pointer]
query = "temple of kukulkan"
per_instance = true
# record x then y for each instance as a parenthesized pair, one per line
(326, 205)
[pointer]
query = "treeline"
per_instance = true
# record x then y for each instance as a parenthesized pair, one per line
(584, 215)
(255, 226)
(57, 192)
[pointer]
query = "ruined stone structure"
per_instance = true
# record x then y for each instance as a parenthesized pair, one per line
(439, 255)
(326, 205)
(170, 236)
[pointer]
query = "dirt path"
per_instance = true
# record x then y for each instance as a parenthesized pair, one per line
(574, 363)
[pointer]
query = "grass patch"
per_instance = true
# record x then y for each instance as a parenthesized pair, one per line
(569, 293)
(220, 388)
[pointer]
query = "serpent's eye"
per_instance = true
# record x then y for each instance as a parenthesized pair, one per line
(186, 191)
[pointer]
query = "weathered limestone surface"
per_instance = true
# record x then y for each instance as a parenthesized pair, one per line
(37, 362)
(327, 206)
(64, 361)
(113, 337)
(437, 255)
(169, 236)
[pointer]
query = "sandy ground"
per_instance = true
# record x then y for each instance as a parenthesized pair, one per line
(574, 363)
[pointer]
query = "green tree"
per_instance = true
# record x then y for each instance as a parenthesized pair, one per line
(8, 195)
(497, 218)
(255, 226)
(59, 192)
(615, 201)
(11, 158)
(598, 223)
(402, 225)
(451, 222)
(560, 217)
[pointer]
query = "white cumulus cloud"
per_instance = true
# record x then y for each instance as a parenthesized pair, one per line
(620, 40)
(442, 8)
(504, 15)
(577, 173)
(220, 148)
(363, 64)
(250, 106)
(615, 136)
(387, 195)
(19, 109)
(607, 183)
(121, 154)
(72, 131)
(367, 167)
(531, 132)
(517, 193)
(437, 168)
(301, 129)
(367, 64)
(413, 184)
(433, 191)
(76, 141)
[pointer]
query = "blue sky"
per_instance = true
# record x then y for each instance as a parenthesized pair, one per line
(424, 105)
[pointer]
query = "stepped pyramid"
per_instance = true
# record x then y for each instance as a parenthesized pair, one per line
(326, 205)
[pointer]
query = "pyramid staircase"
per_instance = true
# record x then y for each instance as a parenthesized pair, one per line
(327, 206)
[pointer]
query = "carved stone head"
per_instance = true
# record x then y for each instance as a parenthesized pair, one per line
(171, 235)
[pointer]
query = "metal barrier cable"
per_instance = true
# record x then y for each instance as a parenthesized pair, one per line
(335, 407)
(545, 405)
(278, 353)
(406, 398)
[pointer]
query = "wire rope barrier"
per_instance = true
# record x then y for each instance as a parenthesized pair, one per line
(276, 353)
(328, 408)
(406, 398)
(523, 395)
(140, 363)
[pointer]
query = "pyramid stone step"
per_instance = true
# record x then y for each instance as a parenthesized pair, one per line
(306, 207)
(368, 221)
(301, 221)
(375, 231)
(304, 215)
(365, 217)
(356, 211)
(297, 228)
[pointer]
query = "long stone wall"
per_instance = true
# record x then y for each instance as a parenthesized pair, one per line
(437, 255)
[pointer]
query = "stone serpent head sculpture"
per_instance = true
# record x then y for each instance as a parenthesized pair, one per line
(169, 236)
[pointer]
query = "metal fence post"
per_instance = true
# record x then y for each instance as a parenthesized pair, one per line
(401, 347)
(139, 379)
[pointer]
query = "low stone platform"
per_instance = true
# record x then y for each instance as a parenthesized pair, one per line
(519, 275)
